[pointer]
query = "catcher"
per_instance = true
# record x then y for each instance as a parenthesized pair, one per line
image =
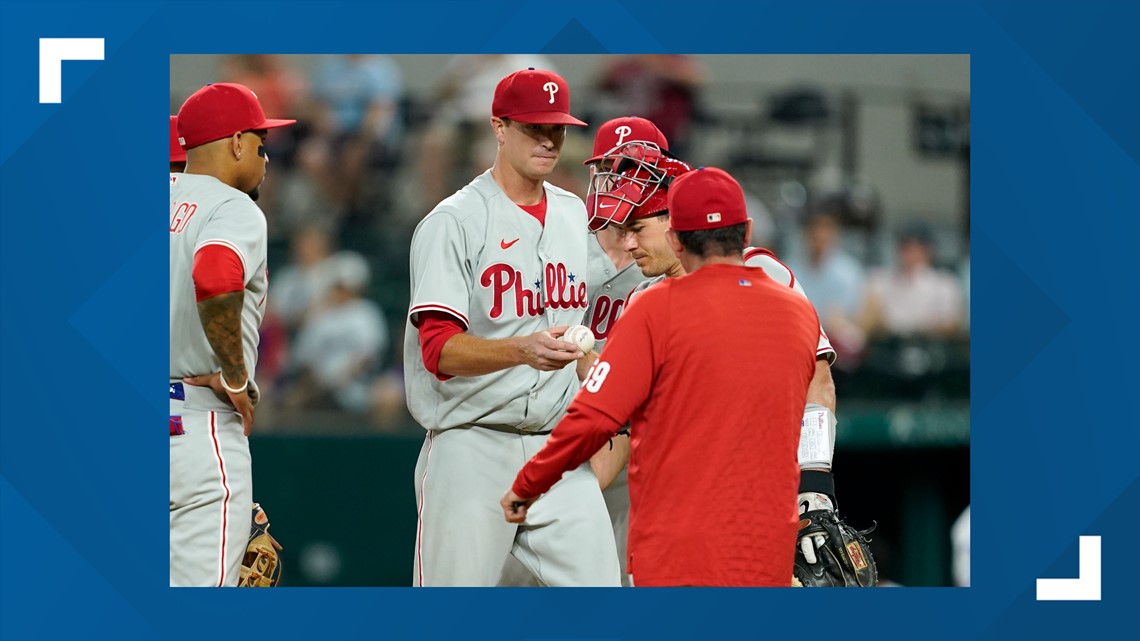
(261, 567)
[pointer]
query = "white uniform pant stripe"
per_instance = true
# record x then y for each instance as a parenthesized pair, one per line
(226, 489)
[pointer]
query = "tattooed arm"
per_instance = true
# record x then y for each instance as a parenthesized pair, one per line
(221, 320)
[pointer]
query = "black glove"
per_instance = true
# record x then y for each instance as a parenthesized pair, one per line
(844, 557)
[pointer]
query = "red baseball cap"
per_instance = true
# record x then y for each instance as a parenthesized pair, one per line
(177, 153)
(706, 198)
(220, 110)
(534, 96)
(622, 130)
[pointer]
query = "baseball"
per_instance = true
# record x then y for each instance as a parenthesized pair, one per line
(581, 336)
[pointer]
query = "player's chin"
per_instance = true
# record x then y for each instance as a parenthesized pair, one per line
(649, 269)
(544, 164)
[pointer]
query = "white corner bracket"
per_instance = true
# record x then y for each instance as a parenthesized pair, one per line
(53, 51)
(1086, 587)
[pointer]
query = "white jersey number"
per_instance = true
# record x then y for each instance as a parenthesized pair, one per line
(596, 376)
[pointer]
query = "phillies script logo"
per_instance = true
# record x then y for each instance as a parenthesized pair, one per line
(563, 290)
(606, 312)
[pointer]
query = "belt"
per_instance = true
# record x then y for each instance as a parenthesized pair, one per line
(507, 429)
(177, 392)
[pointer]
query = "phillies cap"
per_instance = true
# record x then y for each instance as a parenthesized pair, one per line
(534, 96)
(220, 110)
(177, 153)
(706, 198)
(622, 130)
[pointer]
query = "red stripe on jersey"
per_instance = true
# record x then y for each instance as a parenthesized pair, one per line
(436, 328)
(753, 252)
(226, 487)
(217, 270)
(415, 312)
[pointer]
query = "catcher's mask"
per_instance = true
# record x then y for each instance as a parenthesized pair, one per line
(632, 179)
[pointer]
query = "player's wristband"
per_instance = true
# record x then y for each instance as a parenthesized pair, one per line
(817, 437)
(233, 390)
(819, 482)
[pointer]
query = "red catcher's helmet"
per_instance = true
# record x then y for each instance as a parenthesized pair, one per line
(632, 180)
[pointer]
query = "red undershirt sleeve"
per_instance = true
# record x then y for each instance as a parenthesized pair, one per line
(435, 327)
(217, 270)
(579, 434)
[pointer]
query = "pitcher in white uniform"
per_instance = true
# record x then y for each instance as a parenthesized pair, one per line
(498, 272)
(218, 281)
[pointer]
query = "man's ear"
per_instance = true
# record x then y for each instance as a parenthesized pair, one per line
(235, 145)
(674, 242)
(499, 126)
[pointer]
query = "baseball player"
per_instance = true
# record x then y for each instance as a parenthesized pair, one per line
(613, 277)
(713, 480)
(637, 191)
(218, 281)
(498, 273)
(259, 522)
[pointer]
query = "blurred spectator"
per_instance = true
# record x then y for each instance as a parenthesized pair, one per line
(833, 280)
(660, 87)
(915, 298)
(341, 344)
(353, 123)
(305, 281)
(763, 223)
(460, 116)
(389, 399)
(272, 357)
(278, 86)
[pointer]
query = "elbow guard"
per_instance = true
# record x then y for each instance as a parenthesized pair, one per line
(817, 437)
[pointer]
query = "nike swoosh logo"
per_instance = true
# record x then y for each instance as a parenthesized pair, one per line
(601, 206)
(505, 245)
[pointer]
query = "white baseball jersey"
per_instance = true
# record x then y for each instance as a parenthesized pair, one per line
(779, 272)
(608, 290)
(204, 211)
(211, 477)
(480, 258)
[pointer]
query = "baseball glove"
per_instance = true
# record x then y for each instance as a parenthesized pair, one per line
(844, 560)
(261, 567)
